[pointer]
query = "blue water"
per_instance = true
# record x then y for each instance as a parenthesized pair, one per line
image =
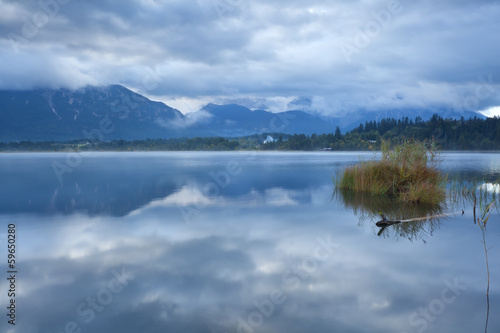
(232, 242)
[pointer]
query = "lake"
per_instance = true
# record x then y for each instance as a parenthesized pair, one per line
(234, 242)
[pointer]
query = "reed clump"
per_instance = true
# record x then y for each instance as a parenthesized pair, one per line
(408, 173)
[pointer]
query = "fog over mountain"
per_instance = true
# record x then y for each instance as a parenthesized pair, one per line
(115, 112)
(333, 58)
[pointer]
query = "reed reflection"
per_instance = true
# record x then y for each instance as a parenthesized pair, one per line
(404, 220)
(484, 199)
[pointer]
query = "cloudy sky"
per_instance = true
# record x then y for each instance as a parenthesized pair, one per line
(343, 55)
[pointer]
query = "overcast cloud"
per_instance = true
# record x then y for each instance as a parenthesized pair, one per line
(342, 55)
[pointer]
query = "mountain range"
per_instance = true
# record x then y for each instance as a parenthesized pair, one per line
(115, 112)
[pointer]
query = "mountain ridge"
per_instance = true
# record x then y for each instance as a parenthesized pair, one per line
(110, 112)
(114, 112)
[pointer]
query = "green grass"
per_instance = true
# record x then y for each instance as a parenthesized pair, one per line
(407, 173)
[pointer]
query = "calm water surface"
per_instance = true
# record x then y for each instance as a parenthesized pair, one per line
(233, 242)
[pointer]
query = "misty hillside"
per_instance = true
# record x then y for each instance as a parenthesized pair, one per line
(115, 112)
(111, 112)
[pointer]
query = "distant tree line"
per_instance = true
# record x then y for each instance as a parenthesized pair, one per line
(462, 134)
(450, 134)
(181, 144)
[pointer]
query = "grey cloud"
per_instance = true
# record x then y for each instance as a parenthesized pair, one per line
(429, 54)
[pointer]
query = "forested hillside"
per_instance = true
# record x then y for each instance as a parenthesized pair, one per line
(462, 134)
(470, 134)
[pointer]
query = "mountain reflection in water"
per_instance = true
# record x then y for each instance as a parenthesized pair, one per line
(254, 241)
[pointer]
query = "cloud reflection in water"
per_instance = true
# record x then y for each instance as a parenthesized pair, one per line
(245, 243)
